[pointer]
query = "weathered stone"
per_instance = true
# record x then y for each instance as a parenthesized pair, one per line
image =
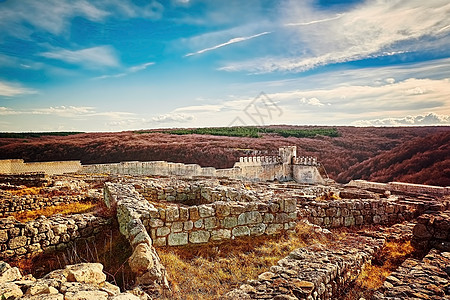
(205, 211)
(274, 228)
(251, 217)
(141, 260)
(258, 229)
(220, 234)
(9, 290)
(266, 276)
(177, 239)
(125, 296)
(222, 209)
(7, 273)
(39, 288)
(188, 225)
(3, 236)
(162, 231)
(200, 236)
(210, 223)
(240, 231)
(85, 295)
(230, 222)
(172, 213)
(86, 273)
(17, 242)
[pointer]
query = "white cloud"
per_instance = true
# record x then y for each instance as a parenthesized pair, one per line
(311, 101)
(175, 117)
(11, 90)
(229, 42)
(372, 29)
(102, 56)
(128, 71)
(419, 120)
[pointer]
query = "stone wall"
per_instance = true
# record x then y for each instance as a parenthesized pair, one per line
(18, 166)
(432, 231)
(29, 180)
(419, 279)
(338, 213)
(175, 226)
(314, 272)
(45, 234)
(11, 204)
(401, 187)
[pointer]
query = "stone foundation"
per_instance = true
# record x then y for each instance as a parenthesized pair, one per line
(432, 231)
(45, 234)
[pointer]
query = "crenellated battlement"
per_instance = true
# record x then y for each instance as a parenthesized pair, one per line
(306, 161)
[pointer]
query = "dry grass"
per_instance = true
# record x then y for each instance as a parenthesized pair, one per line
(206, 272)
(71, 208)
(373, 274)
(25, 191)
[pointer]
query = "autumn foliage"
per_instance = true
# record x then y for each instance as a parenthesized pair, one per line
(411, 154)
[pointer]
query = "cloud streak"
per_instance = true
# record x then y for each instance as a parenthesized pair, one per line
(230, 42)
(128, 71)
(101, 56)
(12, 90)
(373, 29)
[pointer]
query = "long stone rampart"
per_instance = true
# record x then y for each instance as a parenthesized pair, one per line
(18, 166)
(401, 187)
(345, 213)
(45, 234)
(175, 226)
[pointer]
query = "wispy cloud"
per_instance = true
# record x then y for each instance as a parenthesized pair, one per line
(173, 118)
(128, 71)
(373, 29)
(101, 56)
(11, 89)
(229, 42)
(419, 120)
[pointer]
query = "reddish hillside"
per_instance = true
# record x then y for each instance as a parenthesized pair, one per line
(338, 154)
(422, 160)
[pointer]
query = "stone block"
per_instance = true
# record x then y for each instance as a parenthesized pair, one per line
(198, 224)
(177, 227)
(220, 234)
(251, 217)
(172, 214)
(274, 228)
(188, 225)
(290, 205)
(222, 209)
(177, 239)
(236, 209)
(241, 231)
(274, 207)
(3, 236)
(282, 218)
(268, 218)
(162, 231)
(197, 237)
(17, 242)
(205, 211)
(229, 222)
(160, 242)
(184, 214)
(258, 229)
(193, 213)
(210, 223)
(154, 223)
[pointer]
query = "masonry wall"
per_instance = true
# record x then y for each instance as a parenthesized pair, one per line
(338, 213)
(175, 226)
(432, 231)
(45, 234)
(401, 187)
(11, 204)
(17, 166)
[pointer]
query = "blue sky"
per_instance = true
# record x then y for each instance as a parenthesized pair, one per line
(113, 65)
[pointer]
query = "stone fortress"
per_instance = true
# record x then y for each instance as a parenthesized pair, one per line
(161, 204)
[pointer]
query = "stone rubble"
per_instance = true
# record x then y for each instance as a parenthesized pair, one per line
(432, 231)
(428, 278)
(74, 282)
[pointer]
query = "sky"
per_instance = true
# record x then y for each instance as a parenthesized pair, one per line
(115, 65)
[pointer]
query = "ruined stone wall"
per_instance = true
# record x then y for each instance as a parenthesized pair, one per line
(17, 166)
(432, 231)
(11, 203)
(175, 226)
(314, 272)
(338, 213)
(401, 187)
(29, 180)
(45, 234)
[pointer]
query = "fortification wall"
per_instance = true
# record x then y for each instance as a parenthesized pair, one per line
(175, 226)
(401, 187)
(18, 166)
(45, 234)
(338, 213)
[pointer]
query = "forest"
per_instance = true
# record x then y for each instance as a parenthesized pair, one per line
(410, 154)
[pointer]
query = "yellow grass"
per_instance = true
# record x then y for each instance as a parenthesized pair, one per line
(206, 272)
(392, 255)
(71, 208)
(25, 191)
